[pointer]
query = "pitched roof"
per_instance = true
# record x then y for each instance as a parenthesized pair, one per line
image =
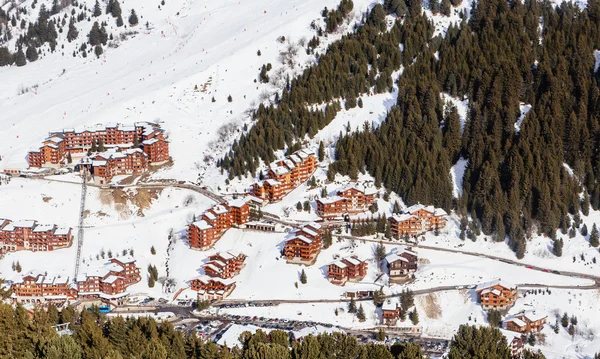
(489, 284)
(329, 200)
(202, 225)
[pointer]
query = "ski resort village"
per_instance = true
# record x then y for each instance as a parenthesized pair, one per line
(183, 167)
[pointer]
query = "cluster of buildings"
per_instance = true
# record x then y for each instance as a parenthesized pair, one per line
(400, 263)
(130, 149)
(107, 283)
(217, 283)
(417, 219)
(497, 294)
(285, 175)
(305, 244)
(349, 269)
(33, 236)
(526, 322)
(202, 233)
(349, 200)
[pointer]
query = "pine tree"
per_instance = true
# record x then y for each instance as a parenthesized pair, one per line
(133, 19)
(299, 207)
(229, 98)
(31, 53)
(584, 230)
(557, 247)
(379, 252)
(414, 317)
(556, 326)
(572, 330)
(115, 8)
(352, 306)
(101, 145)
(361, 313)
(20, 58)
(95, 37)
(380, 336)
(151, 282)
(434, 6)
(564, 321)
(321, 151)
(69, 158)
(327, 239)
(303, 277)
(97, 11)
(119, 21)
(152, 250)
(446, 7)
(18, 267)
(306, 206)
(594, 240)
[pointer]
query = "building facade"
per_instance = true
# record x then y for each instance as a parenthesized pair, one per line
(347, 269)
(527, 322)
(30, 235)
(285, 175)
(146, 136)
(496, 294)
(203, 233)
(390, 313)
(224, 264)
(111, 163)
(401, 263)
(305, 245)
(212, 288)
(349, 200)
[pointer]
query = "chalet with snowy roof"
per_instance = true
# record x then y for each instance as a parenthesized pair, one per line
(110, 281)
(347, 269)
(406, 225)
(433, 218)
(305, 245)
(515, 341)
(111, 163)
(224, 264)
(38, 288)
(33, 236)
(285, 175)
(390, 312)
(210, 288)
(149, 137)
(497, 294)
(202, 234)
(527, 322)
(400, 263)
(349, 200)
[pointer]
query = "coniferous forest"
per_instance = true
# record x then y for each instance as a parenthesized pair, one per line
(96, 337)
(519, 180)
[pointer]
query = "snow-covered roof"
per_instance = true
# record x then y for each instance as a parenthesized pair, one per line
(353, 261)
(43, 228)
(250, 198)
(238, 202)
(510, 335)
(440, 212)
(309, 231)
(110, 279)
(62, 231)
(295, 158)
(339, 264)
(280, 170)
(517, 321)
(329, 200)
(202, 225)
(388, 305)
(403, 217)
(313, 225)
(414, 208)
(23, 224)
(125, 259)
(81, 277)
(210, 215)
(150, 141)
(500, 282)
(219, 209)
(98, 163)
(394, 257)
(303, 239)
(213, 267)
(272, 182)
(98, 272)
(289, 164)
(534, 316)
(113, 267)
(61, 280)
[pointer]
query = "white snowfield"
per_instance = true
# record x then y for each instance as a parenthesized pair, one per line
(152, 76)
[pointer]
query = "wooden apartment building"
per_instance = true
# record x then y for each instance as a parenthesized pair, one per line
(349, 200)
(203, 233)
(496, 294)
(211, 288)
(109, 281)
(390, 313)
(347, 269)
(285, 175)
(305, 245)
(401, 263)
(527, 322)
(149, 137)
(111, 163)
(39, 288)
(416, 220)
(30, 235)
(224, 264)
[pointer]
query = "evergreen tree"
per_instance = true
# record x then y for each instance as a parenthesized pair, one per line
(306, 206)
(299, 207)
(557, 247)
(133, 19)
(361, 313)
(20, 58)
(564, 320)
(72, 33)
(321, 151)
(352, 306)
(303, 277)
(446, 7)
(115, 8)
(379, 252)
(494, 318)
(97, 11)
(31, 53)
(414, 317)
(153, 251)
(119, 21)
(594, 236)
(584, 230)
(434, 6)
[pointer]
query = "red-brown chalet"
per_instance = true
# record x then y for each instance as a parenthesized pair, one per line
(433, 218)
(109, 281)
(149, 137)
(516, 342)
(111, 163)
(30, 235)
(203, 233)
(527, 322)
(347, 269)
(401, 263)
(496, 294)
(285, 175)
(305, 245)
(416, 220)
(40, 288)
(390, 312)
(224, 264)
(349, 200)
(212, 288)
